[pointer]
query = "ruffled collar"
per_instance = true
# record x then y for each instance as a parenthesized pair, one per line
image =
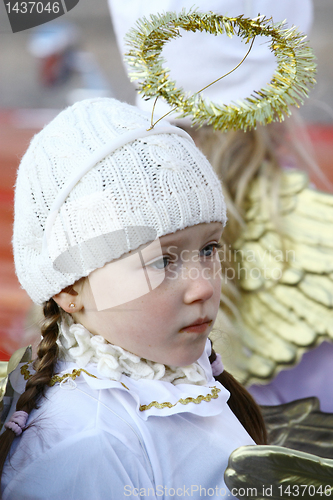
(78, 345)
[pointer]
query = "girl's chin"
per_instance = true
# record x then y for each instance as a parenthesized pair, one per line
(186, 359)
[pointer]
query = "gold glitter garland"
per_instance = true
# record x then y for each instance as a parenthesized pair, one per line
(294, 74)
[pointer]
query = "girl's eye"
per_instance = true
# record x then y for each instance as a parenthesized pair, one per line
(210, 249)
(160, 263)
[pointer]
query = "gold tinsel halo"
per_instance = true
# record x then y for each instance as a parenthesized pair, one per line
(294, 74)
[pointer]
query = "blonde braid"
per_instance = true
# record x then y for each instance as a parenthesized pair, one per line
(44, 365)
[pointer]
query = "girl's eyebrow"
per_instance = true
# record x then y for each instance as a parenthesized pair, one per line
(180, 239)
(215, 232)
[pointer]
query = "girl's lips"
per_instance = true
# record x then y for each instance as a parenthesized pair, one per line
(197, 328)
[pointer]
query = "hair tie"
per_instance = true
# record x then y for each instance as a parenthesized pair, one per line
(17, 422)
(217, 366)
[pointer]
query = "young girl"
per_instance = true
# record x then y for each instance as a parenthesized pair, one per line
(116, 231)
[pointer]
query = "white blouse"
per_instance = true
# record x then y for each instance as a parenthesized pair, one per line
(95, 437)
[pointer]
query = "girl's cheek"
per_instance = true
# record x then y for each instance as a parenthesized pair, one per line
(171, 278)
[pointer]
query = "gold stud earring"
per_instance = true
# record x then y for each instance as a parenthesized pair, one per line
(71, 305)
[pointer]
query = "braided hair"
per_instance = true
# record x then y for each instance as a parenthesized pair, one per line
(243, 405)
(44, 366)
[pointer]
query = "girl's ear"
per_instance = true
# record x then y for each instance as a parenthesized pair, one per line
(69, 300)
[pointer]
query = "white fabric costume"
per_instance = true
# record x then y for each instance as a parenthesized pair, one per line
(109, 436)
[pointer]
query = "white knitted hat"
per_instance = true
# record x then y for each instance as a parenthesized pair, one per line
(95, 184)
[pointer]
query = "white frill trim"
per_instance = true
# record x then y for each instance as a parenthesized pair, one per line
(77, 344)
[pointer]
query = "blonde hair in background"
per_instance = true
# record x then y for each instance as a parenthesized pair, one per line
(239, 157)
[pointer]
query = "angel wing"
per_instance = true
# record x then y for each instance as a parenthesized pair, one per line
(22, 355)
(274, 472)
(285, 282)
(300, 425)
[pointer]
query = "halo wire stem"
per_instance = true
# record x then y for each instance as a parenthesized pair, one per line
(152, 124)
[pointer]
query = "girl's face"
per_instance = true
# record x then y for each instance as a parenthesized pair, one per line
(157, 324)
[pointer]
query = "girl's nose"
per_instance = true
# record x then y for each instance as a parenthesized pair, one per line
(198, 283)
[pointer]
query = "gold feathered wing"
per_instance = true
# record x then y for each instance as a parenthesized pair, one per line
(278, 472)
(285, 282)
(274, 472)
(300, 425)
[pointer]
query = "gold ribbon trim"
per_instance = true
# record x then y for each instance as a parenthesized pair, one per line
(186, 401)
(57, 379)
